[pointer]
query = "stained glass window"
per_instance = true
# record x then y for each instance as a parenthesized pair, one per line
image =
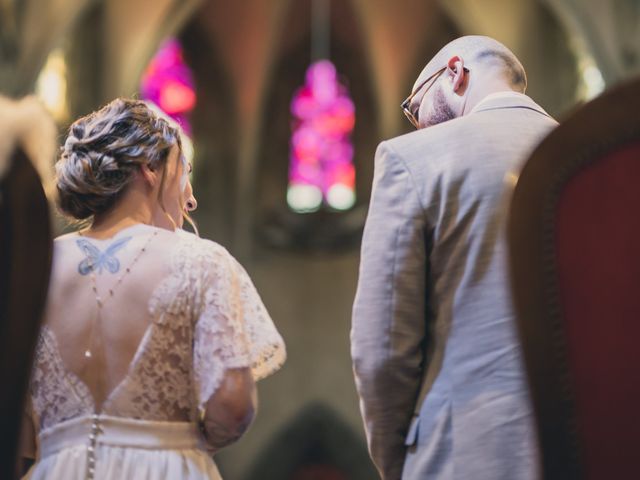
(168, 82)
(321, 169)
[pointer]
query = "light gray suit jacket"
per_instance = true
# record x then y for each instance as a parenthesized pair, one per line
(435, 351)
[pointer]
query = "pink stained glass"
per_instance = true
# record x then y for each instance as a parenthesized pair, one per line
(321, 151)
(168, 82)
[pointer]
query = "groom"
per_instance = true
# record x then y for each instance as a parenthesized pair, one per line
(435, 351)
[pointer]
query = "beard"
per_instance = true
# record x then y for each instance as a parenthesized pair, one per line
(441, 110)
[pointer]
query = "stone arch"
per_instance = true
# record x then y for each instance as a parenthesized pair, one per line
(348, 53)
(608, 31)
(108, 53)
(315, 443)
(29, 30)
(134, 30)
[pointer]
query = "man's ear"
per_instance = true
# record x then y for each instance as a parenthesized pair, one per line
(149, 174)
(455, 68)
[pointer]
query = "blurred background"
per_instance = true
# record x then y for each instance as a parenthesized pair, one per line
(284, 102)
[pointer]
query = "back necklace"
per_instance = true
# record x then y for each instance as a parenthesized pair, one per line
(95, 259)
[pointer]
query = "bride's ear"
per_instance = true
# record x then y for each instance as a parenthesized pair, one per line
(150, 175)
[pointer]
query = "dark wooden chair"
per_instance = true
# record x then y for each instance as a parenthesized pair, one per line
(574, 235)
(25, 263)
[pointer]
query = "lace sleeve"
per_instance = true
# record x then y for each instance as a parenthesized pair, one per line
(233, 328)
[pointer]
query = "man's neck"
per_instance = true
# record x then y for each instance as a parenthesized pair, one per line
(482, 89)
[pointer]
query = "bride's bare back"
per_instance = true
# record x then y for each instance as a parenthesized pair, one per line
(125, 278)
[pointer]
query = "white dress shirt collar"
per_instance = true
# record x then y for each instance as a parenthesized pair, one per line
(500, 95)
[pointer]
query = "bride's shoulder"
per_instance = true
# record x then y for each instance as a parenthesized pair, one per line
(198, 243)
(201, 249)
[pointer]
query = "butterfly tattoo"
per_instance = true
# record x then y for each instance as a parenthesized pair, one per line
(97, 260)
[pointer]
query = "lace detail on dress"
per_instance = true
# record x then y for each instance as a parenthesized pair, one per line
(206, 318)
(159, 385)
(266, 347)
(233, 328)
(56, 393)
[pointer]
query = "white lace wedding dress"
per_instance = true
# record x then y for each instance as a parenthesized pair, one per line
(194, 312)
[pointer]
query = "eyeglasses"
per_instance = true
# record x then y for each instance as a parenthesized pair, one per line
(406, 105)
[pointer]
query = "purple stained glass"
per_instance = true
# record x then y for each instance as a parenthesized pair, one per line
(168, 82)
(321, 154)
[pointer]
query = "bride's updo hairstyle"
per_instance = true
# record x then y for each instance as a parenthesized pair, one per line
(104, 150)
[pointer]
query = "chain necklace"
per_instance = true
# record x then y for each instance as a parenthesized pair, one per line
(100, 302)
(95, 422)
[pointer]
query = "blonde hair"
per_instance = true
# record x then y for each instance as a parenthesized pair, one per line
(102, 152)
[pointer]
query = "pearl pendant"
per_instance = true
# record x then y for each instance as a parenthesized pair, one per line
(87, 353)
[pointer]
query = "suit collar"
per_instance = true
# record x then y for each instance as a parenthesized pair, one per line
(500, 100)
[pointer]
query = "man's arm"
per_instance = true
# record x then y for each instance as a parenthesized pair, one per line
(389, 324)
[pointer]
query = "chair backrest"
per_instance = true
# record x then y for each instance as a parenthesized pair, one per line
(574, 235)
(25, 262)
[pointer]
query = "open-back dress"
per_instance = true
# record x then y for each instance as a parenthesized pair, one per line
(177, 312)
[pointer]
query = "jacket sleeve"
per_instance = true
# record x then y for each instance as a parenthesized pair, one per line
(389, 319)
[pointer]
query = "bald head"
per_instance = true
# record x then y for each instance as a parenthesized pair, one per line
(477, 50)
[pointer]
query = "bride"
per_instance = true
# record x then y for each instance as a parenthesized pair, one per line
(153, 337)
